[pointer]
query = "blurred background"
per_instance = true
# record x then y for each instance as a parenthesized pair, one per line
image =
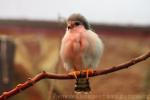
(30, 37)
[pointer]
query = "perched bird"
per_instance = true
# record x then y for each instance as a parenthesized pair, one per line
(81, 50)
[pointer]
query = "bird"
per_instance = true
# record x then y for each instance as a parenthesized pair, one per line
(81, 50)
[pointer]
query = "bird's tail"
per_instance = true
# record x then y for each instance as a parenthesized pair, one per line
(82, 85)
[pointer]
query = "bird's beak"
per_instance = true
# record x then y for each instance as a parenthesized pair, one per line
(69, 26)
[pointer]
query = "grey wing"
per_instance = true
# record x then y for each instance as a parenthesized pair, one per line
(94, 52)
(96, 57)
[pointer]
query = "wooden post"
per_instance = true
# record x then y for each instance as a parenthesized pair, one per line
(7, 51)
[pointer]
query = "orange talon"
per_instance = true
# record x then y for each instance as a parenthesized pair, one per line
(88, 72)
(74, 73)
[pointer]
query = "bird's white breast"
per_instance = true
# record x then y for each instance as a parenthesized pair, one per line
(81, 50)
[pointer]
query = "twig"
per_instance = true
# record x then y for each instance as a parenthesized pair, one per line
(45, 75)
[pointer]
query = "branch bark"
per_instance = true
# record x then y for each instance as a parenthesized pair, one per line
(44, 75)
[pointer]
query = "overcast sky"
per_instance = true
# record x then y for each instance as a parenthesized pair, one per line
(100, 11)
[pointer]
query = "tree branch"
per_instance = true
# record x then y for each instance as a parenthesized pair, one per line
(45, 75)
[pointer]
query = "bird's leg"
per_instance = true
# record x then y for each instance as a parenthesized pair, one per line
(88, 72)
(74, 73)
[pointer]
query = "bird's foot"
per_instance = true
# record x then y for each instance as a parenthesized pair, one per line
(74, 73)
(88, 72)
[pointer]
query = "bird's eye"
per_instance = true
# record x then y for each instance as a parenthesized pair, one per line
(77, 23)
(69, 27)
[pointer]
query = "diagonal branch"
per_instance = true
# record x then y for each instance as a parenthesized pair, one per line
(45, 75)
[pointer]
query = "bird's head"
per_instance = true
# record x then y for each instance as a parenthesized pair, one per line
(76, 22)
